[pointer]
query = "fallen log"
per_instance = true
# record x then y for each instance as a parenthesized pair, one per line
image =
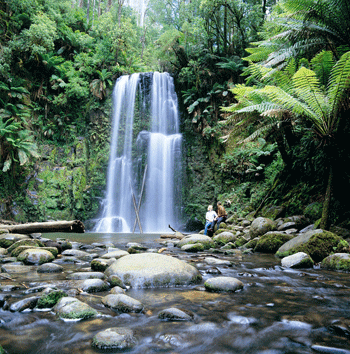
(51, 226)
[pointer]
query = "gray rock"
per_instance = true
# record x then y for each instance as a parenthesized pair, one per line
(287, 225)
(174, 314)
(27, 303)
(297, 260)
(260, 226)
(72, 308)
(223, 284)
(92, 285)
(117, 338)
(145, 270)
(3, 251)
(82, 255)
(115, 254)
(216, 261)
(122, 303)
(100, 265)
(50, 268)
(85, 275)
(117, 290)
(16, 268)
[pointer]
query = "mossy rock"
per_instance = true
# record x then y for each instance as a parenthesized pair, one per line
(26, 242)
(241, 241)
(318, 245)
(224, 237)
(252, 243)
(19, 249)
(6, 239)
(74, 309)
(51, 299)
(271, 242)
(337, 261)
(195, 247)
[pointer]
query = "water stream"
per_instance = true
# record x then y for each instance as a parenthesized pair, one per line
(145, 156)
(278, 311)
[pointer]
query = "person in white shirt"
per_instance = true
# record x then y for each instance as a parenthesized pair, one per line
(210, 218)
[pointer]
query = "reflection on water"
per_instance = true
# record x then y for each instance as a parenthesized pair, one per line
(278, 311)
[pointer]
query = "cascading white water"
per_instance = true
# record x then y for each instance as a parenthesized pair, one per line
(159, 149)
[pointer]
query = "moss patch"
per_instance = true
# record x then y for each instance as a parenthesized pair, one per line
(50, 300)
(271, 242)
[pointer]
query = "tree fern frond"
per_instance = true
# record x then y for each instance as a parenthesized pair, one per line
(307, 87)
(339, 81)
(322, 64)
(259, 132)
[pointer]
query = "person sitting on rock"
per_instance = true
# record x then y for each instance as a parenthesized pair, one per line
(210, 218)
(222, 215)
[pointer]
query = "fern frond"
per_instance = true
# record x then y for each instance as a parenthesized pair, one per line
(339, 82)
(307, 87)
(259, 132)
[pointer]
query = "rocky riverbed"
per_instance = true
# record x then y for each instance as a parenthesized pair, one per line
(256, 286)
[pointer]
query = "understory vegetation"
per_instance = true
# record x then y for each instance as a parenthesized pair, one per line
(263, 90)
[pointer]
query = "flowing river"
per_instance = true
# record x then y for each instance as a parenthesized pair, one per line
(278, 311)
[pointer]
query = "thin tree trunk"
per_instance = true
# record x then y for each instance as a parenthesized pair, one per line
(88, 12)
(325, 220)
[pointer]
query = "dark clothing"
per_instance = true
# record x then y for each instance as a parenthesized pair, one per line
(222, 215)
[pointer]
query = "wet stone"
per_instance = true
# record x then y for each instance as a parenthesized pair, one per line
(174, 314)
(16, 268)
(72, 308)
(115, 254)
(28, 303)
(100, 265)
(223, 284)
(117, 290)
(85, 275)
(50, 268)
(92, 285)
(35, 256)
(122, 303)
(114, 338)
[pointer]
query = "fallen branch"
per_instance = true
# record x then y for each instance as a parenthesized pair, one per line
(4, 276)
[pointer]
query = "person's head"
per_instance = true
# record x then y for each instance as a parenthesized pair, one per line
(210, 207)
(219, 203)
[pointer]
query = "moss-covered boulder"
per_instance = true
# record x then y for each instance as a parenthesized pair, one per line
(206, 241)
(72, 308)
(35, 256)
(337, 261)
(20, 249)
(195, 247)
(224, 237)
(25, 242)
(318, 244)
(271, 242)
(6, 239)
(260, 226)
(100, 265)
(144, 270)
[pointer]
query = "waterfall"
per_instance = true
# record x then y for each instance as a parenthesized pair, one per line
(145, 133)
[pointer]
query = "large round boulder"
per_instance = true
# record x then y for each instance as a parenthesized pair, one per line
(318, 244)
(35, 256)
(271, 241)
(146, 270)
(260, 226)
(337, 261)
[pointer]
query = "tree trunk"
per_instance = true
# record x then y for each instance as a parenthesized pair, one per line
(325, 221)
(52, 226)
